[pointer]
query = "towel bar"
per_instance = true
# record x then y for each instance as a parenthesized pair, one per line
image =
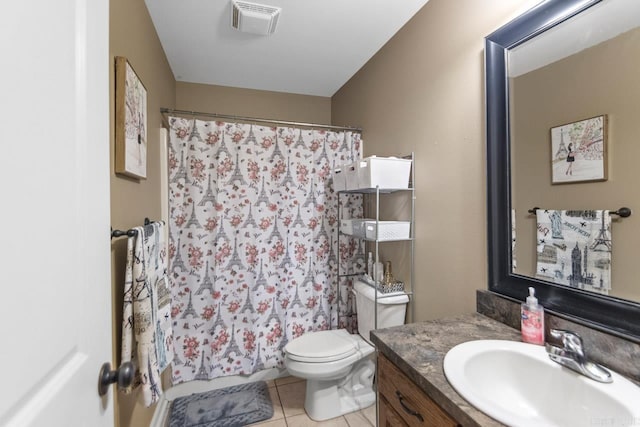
(622, 212)
(130, 232)
(120, 233)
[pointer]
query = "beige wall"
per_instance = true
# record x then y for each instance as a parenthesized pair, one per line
(600, 80)
(253, 103)
(133, 36)
(423, 92)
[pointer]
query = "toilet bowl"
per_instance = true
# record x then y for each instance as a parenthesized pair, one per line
(339, 367)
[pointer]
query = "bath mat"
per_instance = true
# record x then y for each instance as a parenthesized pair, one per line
(237, 405)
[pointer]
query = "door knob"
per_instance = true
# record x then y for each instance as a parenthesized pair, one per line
(123, 376)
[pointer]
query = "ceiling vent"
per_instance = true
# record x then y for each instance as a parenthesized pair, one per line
(254, 18)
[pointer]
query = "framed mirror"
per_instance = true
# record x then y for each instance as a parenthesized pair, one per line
(616, 314)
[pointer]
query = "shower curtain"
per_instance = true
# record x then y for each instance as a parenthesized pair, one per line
(253, 246)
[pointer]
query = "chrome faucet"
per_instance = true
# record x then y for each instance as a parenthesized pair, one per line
(571, 355)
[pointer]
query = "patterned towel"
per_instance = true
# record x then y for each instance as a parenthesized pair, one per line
(574, 248)
(146, 331)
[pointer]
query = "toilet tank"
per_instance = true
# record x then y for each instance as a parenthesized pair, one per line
(392, 308)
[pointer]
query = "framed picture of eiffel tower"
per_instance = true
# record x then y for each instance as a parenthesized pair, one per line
(131, 121)
(579, 151)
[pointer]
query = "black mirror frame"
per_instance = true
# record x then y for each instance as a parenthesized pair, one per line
(612, 315)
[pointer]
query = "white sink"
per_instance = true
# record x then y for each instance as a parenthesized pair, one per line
(517, 384)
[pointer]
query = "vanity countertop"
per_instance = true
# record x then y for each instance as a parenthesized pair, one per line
(418, 349)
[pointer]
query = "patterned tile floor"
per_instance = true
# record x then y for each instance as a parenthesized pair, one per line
(287, 395)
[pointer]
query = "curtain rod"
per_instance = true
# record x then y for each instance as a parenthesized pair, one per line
(256, 120)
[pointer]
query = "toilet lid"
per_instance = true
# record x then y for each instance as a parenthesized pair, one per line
(322, 346)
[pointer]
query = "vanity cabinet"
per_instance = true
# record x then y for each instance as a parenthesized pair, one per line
(403, 403)
(388, 416)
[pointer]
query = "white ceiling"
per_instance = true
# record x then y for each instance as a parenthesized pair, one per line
(317, 47)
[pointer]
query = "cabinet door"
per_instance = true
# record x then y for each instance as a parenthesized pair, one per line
(389, 417)
(407, 399)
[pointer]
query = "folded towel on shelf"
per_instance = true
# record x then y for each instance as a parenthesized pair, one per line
(574, 248)
(146, 330)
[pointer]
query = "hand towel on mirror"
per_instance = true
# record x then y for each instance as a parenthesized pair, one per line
(574, 248)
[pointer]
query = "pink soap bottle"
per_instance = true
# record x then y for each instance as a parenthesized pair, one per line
(532, 320)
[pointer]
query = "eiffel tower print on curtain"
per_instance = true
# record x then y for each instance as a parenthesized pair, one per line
(248, 304)
(323, 158)
(286, 260)
(195, 133)
(273, 315)
(251, 138)
(322, 230)
(261, 280)
(222, 149)
(275, 233)
(202, 374)
(296, 299)
(345, 144)
(259, 365)
(181, 173)
(311, 197)
(333, 260)
(262, 197)
(298, 222)
(285, 339)
(308, 281)
(218, 323)
(221, 234)
(320, 313)
(232, 348)
(206, 284)
(177, 262)
(300, 141)
(189, 311)
(288, 182)
(235, 263)
(250, 221)
(193, 219)
(237, 178)
(176, 359)
(209, 196)
(276, 150)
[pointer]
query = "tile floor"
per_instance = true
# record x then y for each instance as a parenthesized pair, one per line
(287, 396)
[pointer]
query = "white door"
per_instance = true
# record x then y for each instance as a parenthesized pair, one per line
(55, 297)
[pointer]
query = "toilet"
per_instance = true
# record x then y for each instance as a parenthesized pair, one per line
(340, 367)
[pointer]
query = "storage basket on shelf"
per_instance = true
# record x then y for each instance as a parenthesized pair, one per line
(387, 230)
(354, 227)
(339, 179)
(383, 172)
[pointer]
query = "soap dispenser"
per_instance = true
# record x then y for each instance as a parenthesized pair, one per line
(532, 320)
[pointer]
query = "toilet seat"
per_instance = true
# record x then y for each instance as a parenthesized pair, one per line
(322, 346)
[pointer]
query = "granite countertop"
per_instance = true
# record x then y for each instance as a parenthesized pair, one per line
(418, 349)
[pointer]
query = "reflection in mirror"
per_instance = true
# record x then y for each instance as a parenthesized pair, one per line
(562, 87)
(574, 96)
